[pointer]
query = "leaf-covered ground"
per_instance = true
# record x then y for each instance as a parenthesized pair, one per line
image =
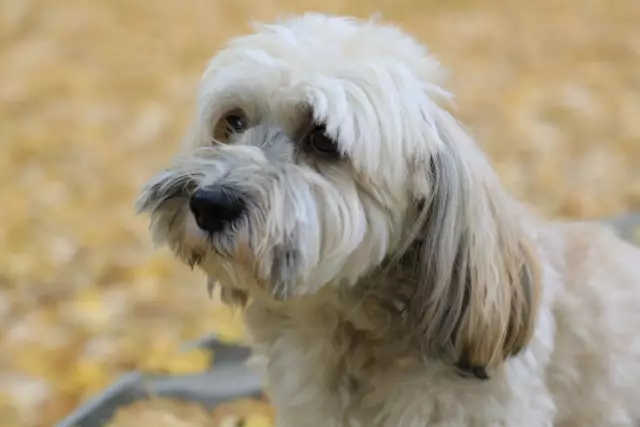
(94, 95)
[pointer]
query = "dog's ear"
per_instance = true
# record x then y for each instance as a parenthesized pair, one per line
(477, 278)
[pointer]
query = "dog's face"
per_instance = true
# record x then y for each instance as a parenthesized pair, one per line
(319, 151)
(300, 175)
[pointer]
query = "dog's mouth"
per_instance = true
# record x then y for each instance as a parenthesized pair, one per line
(242, 223)
(200, 222)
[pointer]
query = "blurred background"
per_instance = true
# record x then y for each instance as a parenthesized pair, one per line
(94, 95)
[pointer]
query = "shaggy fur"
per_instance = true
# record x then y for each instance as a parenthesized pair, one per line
(388, 278)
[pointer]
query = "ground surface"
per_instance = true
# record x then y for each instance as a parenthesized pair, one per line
(94, 94)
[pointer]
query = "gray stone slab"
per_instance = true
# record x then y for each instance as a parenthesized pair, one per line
(227, 379)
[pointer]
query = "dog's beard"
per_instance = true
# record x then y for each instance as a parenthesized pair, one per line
(298, 232)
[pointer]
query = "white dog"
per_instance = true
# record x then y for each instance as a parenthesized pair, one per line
(388, 278)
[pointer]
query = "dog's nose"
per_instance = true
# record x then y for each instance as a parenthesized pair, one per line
(214, 208)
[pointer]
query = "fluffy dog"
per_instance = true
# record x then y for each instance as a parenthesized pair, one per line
(387, 277)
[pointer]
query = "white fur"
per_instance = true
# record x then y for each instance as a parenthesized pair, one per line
(368, 278)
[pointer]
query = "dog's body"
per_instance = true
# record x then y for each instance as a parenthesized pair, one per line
(331, 365)
(388, 278)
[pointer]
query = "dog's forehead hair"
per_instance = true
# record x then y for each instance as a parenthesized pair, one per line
(275, 128)
(252, 99)
(278, 106)
(273, 139)
(373, 87)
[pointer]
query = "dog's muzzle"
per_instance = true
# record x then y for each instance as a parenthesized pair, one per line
(215, 207)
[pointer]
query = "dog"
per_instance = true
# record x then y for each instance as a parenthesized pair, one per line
(386, 276)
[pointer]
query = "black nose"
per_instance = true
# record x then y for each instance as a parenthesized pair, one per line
(214, 208)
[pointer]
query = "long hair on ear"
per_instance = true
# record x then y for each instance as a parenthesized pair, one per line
(477, 279)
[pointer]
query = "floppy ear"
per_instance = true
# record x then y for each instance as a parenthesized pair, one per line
(476, 272)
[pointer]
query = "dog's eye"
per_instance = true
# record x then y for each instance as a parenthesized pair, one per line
(229, 126)
(317, 140)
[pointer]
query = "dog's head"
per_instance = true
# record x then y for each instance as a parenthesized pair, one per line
(319, 153)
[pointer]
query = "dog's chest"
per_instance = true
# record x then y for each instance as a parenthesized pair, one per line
(320, 367)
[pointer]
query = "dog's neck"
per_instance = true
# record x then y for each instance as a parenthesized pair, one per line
(376, 311)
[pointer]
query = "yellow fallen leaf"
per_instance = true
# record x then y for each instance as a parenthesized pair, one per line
(636, 234)
(89, 309)
(230, 421)
(90, 376)
(251, 412)
(156, 360)
(189, 362)
(33, 360)
(161, 412)
(226, 323)
(258, 420)
(231, 332)
(8, 411)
